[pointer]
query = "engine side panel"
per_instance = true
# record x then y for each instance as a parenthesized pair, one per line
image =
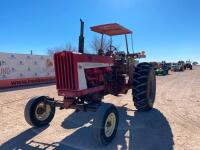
(76, 72)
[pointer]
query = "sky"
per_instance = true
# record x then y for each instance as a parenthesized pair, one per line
(166, 29)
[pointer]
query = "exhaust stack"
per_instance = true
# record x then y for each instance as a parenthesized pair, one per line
(81, 37)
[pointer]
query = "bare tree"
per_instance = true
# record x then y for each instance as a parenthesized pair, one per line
(96, 44)
(50, 52)
(67, 47)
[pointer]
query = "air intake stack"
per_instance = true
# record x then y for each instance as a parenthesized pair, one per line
(81, 38)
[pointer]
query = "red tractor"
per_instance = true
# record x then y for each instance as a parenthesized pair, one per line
(84, 79)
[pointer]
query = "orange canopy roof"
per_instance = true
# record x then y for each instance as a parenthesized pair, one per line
(111, 29)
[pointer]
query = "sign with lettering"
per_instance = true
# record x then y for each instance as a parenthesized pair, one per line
(26, 68)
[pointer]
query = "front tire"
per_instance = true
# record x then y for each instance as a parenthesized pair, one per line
(38, 112)
(144, 87)
(105, 124)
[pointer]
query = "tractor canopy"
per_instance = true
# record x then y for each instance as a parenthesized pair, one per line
(111, 29)
(114, 29)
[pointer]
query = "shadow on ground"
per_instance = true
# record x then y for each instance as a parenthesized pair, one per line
(140, 131)
(20, 141)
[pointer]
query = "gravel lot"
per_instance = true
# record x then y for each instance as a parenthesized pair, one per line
(173, 124)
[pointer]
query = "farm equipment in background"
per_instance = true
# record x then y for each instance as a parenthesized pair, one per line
(84, 79)
(155, 65)
(168, 65)
(181, 64)
(188, 64)
(161, 69)
(161, 72)
(177, 66)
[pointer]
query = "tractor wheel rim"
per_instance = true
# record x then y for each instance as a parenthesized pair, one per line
(42, 111)
(110, 124)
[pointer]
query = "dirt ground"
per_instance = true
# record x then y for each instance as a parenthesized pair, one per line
(173, 124)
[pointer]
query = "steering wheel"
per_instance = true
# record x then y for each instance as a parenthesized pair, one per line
(110, 50)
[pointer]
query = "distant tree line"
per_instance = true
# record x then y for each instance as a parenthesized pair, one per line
(195, 63)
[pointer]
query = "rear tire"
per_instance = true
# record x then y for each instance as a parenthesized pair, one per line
(38, 112)
(105, 124)
(144, 87)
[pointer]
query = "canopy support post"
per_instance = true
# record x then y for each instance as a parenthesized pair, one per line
(132, 42)
(110, 43)
(102, 41)
(126, 45)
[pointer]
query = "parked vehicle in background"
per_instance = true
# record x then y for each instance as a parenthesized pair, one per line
(160, 68)
(177, 67)
(188, 65)
(161, 72)
(168, 65)
(182, 63)
(155, 65)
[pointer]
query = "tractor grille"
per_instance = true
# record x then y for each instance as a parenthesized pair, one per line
(64, 70)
